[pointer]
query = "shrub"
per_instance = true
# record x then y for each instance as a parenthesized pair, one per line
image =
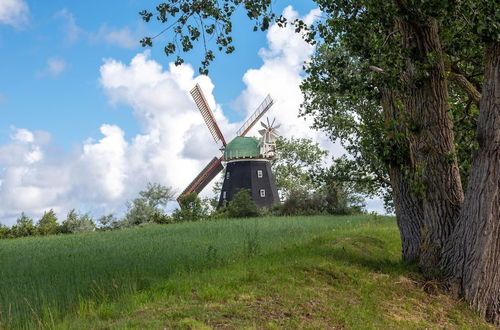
(242, 206)
(4, 232)
(148, 208)
(192, 208)
(47, 225)
(300, 202)
(161, 219)
(24, 227)
(76, 223)
(139, 212)
(109, 222)
(330, 199)
(339, 201)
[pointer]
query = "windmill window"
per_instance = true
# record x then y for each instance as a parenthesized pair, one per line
(227, 175)
(259, 173)
(223, 195)
(262, 193)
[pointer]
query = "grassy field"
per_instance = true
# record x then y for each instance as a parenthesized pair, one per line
(312, 272)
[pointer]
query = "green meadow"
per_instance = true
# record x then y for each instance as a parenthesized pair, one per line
(286, 272)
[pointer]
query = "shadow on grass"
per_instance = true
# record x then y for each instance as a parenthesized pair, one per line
(371, 253)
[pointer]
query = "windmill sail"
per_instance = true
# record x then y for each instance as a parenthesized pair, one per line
(269, 135)
(259, 112)
(205, 176)
(207, 114)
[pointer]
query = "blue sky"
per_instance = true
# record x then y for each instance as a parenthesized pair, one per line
(68, 101)
(89, 116)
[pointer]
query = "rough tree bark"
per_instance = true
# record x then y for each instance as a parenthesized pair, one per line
(408, 207)
(472, 256)
(409, 213)
(427, 89)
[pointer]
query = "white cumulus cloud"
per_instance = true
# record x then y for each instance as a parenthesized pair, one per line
(280, 76)
(168, 117)
(22, 135)
(29, 181)
(107, 160)
(14, 13)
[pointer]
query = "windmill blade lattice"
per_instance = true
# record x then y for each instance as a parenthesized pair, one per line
(205, 176)
(254, 118)
(208, 116)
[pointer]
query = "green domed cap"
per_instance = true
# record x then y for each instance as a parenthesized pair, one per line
(242, 147)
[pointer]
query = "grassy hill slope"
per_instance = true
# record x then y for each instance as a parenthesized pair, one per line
(313, 272)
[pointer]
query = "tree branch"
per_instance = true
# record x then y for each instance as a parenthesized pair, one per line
(376, 69)
(466, 85)
(379, 175)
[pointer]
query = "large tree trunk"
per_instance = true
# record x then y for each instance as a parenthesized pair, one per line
(427, 104)
(409, 213)
(408, 206)
(472, 257)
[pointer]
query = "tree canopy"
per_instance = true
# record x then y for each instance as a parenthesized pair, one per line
(297, 161)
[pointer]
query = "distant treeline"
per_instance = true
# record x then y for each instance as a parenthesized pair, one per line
(149, 208)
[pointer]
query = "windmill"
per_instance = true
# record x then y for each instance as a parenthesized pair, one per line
(248, 160)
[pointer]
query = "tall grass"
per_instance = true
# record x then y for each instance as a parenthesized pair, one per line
(42, 279)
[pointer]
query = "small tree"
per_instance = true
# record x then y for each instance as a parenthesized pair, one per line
(149, 207)
(216, 189)
(47, 225)
(157, 195)
(108, 221)
(139, 212)
(76, 223)
(193, 208)
(339, 201)
(4, 232)
(24, 227)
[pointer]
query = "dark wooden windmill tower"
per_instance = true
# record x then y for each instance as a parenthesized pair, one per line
(248, 159)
